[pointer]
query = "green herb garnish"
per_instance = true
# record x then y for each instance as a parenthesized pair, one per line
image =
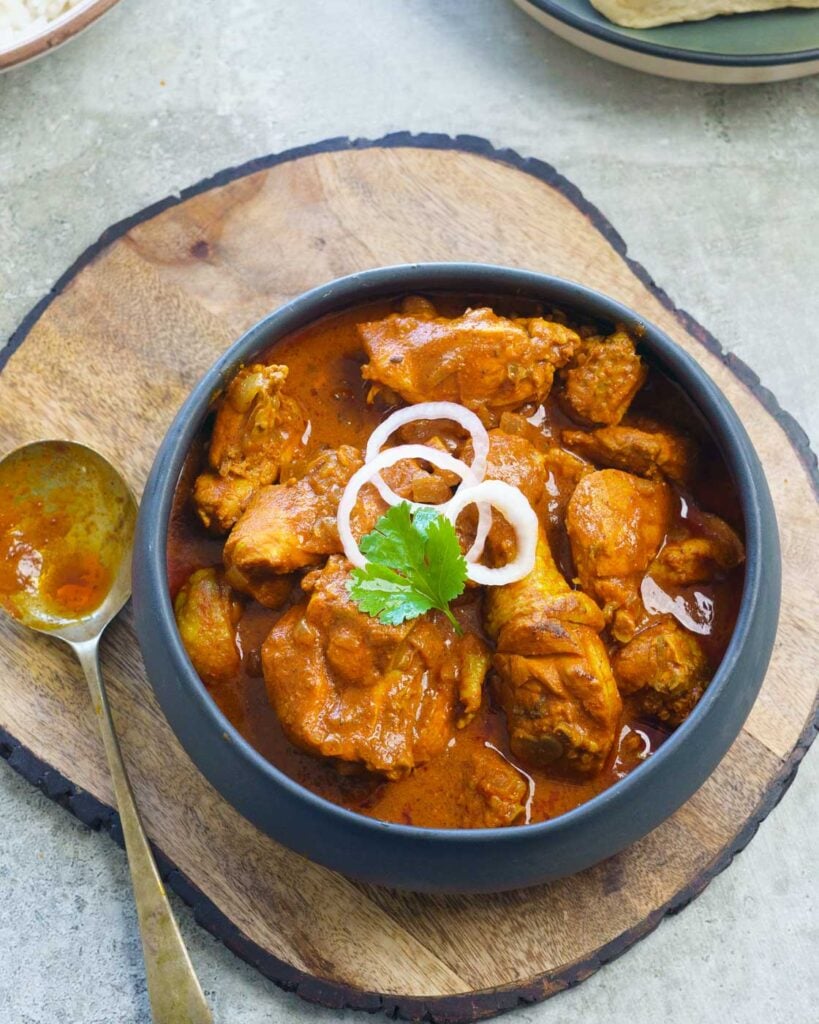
(414, 564)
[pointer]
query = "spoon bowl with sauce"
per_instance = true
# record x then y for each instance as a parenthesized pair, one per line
(67, 522)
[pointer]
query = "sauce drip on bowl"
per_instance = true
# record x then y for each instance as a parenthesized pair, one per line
(61, 533)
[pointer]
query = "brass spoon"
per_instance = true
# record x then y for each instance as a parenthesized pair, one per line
(66, 532)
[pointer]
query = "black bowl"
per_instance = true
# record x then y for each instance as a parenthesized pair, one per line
(480, 860)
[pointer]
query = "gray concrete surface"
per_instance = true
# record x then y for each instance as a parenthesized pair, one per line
(715, 191)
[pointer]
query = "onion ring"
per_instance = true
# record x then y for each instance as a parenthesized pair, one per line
(468, 421)
(382, 461)
(459, 414)
(518, 513)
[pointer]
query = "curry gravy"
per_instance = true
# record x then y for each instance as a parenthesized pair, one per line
(324, 361)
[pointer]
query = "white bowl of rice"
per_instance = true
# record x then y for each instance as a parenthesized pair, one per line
(30, 28)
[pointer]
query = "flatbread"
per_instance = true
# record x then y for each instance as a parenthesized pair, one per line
(650, 13)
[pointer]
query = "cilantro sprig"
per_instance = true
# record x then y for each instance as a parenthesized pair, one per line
(414, 564)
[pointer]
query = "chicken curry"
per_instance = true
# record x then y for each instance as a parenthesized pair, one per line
(527, 694)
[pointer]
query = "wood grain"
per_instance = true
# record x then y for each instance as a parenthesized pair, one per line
(108, 360)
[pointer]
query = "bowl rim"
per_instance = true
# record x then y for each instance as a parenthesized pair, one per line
(54, 33)
(358, 288)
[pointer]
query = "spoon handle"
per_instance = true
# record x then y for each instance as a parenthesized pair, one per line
(173, 988)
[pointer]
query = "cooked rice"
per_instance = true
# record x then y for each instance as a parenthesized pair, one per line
(22, 18)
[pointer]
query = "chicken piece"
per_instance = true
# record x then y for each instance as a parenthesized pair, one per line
(292, 525)
(603, 378)
(417, 305)
(657, 453)
(207, 614)
(270, 591)
(566, 467)
(564, 471)
(348, 687)
(616, 524)
(701, 557)
(537, 429)
(257, 430)
(481, 360)
(515, 461)
(493, 794)
(430, 489)
(665, 669)
(409, 479)
(546, 476)
(220, 500)
(446, 436)
(554, 680)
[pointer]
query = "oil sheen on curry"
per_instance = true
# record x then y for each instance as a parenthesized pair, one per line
(536, 692)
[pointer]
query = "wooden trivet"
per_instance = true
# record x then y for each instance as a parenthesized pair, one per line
(108, 356)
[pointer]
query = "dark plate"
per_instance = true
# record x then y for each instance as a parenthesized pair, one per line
(742, 48)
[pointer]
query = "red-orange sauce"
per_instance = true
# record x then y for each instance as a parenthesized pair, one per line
(324, 361)
(60, 542)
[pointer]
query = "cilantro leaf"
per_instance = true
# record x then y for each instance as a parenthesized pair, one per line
(446, 580)
(395, 541)
(383, 593)
(414, 564)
